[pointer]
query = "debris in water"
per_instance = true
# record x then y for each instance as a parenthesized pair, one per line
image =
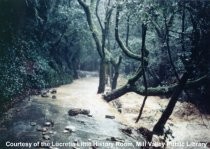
(65, 131)
(75, 141)
(119, 110)
(44, 129)
(46, 137)
(76, 111)
(53, 91)
(70, 128)
(127, 130)
(52, 132)
(48, 124)
(115, 139)
(109, 116)
(53, 147)
(33, 123)
(145, 132)
(44, 94)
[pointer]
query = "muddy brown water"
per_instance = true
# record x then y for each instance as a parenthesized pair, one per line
(20, 124)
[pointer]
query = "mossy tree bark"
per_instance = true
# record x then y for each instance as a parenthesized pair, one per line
(102, 77)
(105, 54)
(116, 66)
(153, 91)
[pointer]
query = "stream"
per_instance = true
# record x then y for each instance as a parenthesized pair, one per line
(43, 122)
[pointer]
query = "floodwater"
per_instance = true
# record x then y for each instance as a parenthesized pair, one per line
(20, 123)
(25, 123)
(186, 125)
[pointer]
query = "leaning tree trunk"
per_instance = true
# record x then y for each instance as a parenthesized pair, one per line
(158, 128)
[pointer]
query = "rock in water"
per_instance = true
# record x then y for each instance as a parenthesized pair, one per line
(76, 111)
(109, 116)
(33, 124)
(115, 139)
(53, 148)
(75, 141)
(127, 130)
(44, 129)
(53, 91)
(41, 129)
(46, 137)
(52, 132)
(147, 134)
(53, 97)
(119, 110)
(65, 131)
(85, 112)
(44, 94)
(48, 124)
(70, 128)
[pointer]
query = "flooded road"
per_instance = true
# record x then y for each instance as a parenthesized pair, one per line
(46, 120)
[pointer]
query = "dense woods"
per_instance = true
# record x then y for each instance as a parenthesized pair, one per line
(173, 52)
(41, 44)
(161, 47)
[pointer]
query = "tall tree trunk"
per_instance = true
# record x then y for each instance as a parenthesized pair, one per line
(111, 73)
(114, 81)
(183, 28)
(93, 29)
(116, 73)
(102, 77)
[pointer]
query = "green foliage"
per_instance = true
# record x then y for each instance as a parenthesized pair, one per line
(40, 44)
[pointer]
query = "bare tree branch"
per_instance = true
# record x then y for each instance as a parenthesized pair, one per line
(97, 15)
(119, 41)
(144, 29)
(92, 27)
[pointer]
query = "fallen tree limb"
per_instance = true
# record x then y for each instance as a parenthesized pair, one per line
(119, 41)
(152, 91)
